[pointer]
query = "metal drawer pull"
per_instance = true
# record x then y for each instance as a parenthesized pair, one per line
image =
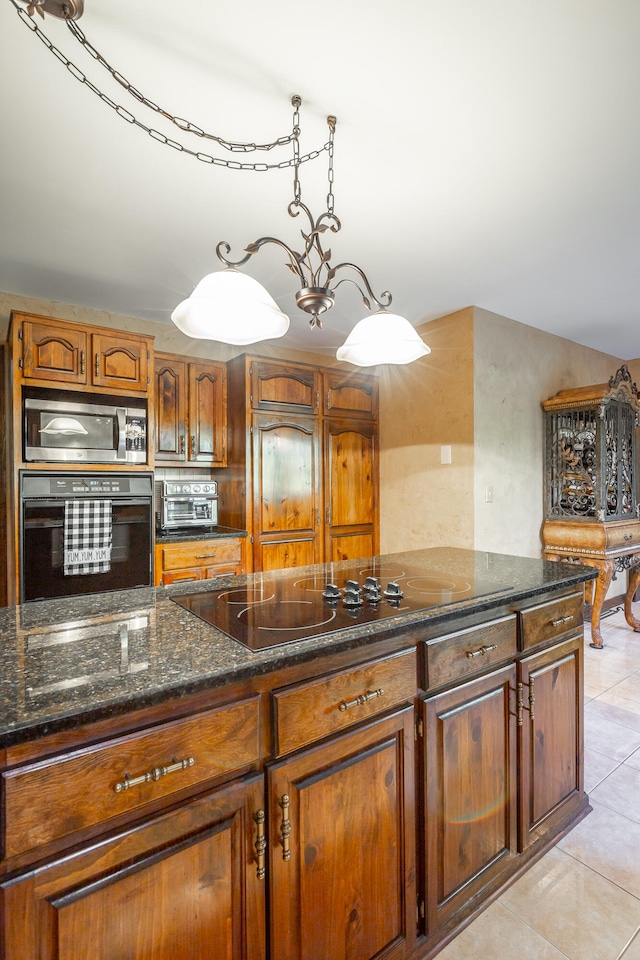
(362, 699)
(285, 827)
(628, 536)
(481, 652)
(557, 623)
(260, 845)
(205, 556)
(156, 774)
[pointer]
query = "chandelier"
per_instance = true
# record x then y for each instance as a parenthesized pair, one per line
(228, 305)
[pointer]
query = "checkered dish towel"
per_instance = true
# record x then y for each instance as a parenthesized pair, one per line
(87, 536)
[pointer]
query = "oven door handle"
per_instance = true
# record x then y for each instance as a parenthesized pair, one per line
(116, 501)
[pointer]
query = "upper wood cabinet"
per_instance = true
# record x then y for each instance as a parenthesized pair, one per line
(54, 352)
(284, 387)
(350, 394)
(190, 410)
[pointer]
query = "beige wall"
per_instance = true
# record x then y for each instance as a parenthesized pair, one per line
(516, 368)
(423, 407)
(479, 390)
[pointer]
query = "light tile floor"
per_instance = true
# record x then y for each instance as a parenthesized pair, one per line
(581, 901)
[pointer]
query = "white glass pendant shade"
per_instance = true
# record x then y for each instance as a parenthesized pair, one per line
(382, 337)
(231, 307)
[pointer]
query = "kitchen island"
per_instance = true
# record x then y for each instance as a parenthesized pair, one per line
(357, 793)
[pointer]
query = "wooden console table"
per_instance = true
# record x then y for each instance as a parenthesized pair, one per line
(607, 562)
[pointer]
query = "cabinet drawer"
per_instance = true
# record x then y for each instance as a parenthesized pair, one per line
(459, 655)
(177, 556)
(552, 619)
(57, 797)
(182, 576)
(625, 534)
(312, 710)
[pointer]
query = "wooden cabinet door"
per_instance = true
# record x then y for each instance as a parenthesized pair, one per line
(54, 352)
(120, 362)
(207, 413)
(171, 414)
(342, 828)
(284, 387)
(470, 784)
(550, 696)
(286, 491)
(185, 885)
(351, 489)
(350, 394)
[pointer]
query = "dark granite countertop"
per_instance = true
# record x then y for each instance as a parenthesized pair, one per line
(70, 661)
(198, 533)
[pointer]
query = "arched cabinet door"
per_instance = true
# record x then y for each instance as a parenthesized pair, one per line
(207, 413)
(351, 489)
(287, 501)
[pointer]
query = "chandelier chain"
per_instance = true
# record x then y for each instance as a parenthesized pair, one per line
(295, 102)
(331, 121)
(184, 125)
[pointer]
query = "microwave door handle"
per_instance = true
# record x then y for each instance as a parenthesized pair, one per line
(121, 417)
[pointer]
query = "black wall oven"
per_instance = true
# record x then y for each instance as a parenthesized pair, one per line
(84, 533)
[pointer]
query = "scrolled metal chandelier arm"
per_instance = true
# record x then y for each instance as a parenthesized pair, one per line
(224, 248)
(383, 301)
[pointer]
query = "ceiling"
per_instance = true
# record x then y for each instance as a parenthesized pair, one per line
(485, 153)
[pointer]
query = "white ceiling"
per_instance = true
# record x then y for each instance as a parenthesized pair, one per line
(486, 153)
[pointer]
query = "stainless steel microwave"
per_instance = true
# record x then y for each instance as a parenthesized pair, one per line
(61, 431)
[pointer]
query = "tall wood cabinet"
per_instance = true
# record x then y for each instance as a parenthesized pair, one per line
(303, 462)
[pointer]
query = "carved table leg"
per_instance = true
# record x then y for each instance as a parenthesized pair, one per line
(605, 573)
(634, 582)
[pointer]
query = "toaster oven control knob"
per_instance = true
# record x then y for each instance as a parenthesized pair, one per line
(196, 488)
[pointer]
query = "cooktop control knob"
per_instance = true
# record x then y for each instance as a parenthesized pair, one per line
(352, 595)
(372, 590)
(393, 593)
(331, 593)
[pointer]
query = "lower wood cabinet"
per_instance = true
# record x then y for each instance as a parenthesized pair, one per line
(470, 777)
(198, 559)
(342, 828)
(323, 811)
(184, 885)
(550, 695)
(502, 771)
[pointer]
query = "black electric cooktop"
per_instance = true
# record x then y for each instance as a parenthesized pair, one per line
(277, 608)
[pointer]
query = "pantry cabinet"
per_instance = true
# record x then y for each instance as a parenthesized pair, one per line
(52, 353)
(190, 411)
(287, 529)
(303, 462)
(351, 488)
